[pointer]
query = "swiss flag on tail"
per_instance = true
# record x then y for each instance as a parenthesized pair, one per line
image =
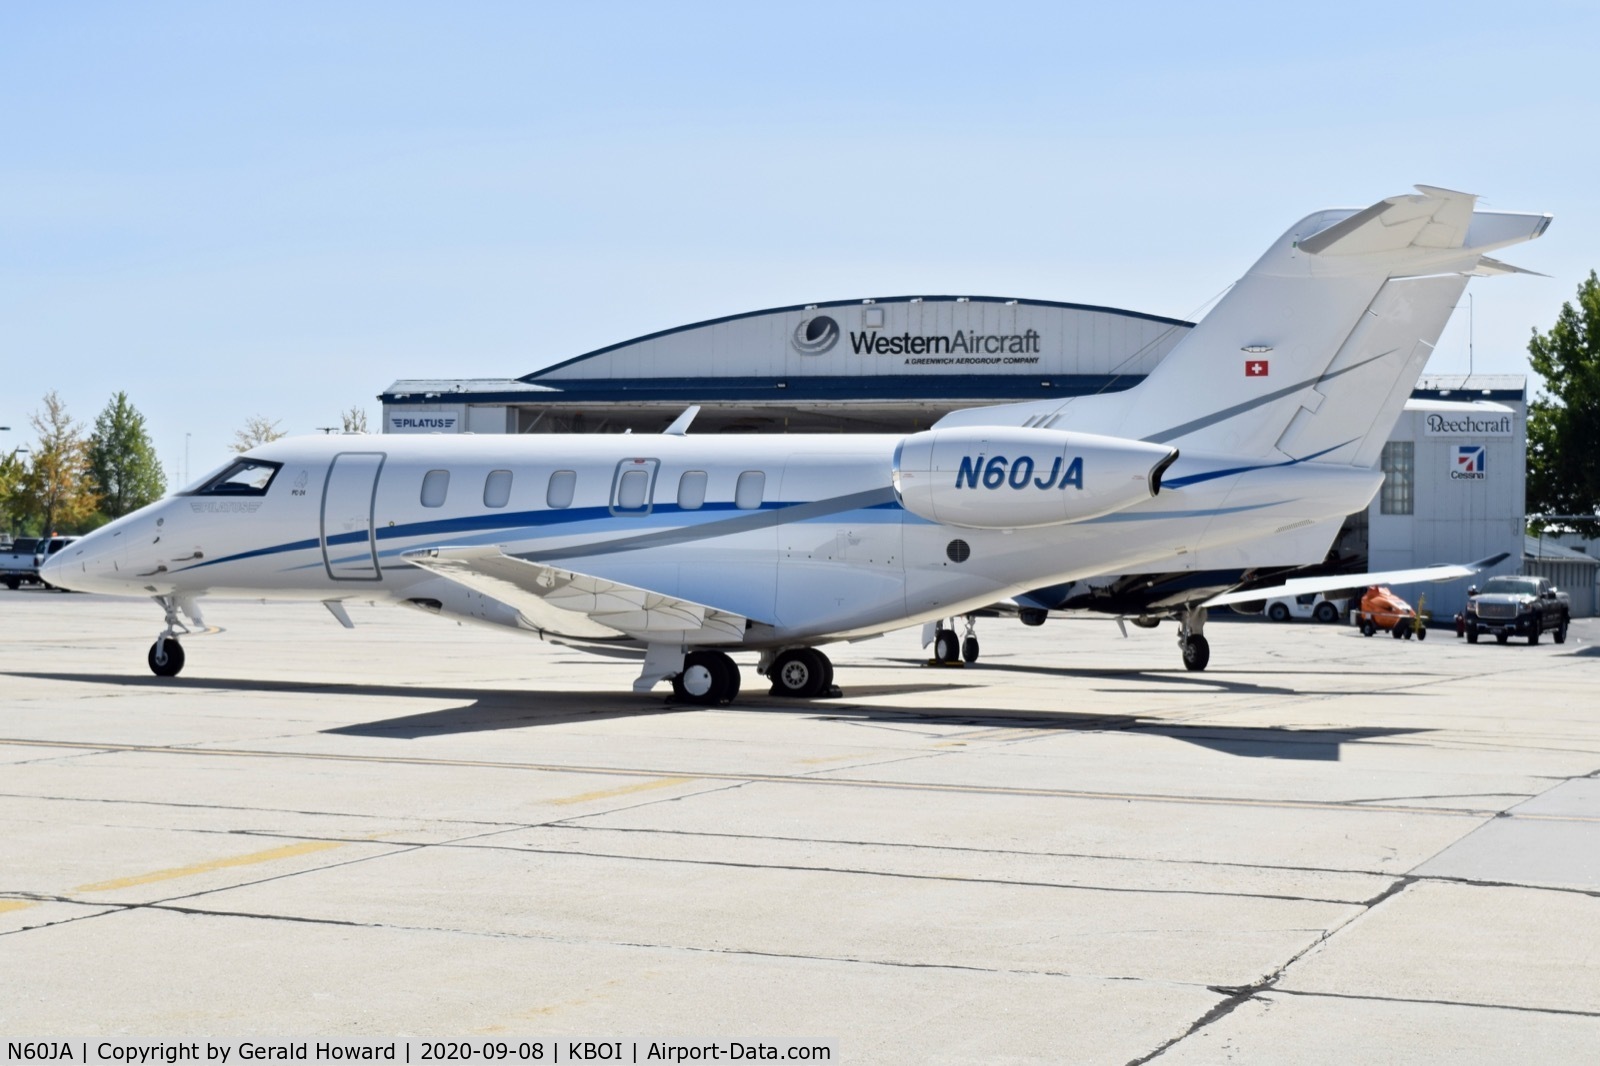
(1255, 368)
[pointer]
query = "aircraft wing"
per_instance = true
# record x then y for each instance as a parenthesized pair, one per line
(1300, 586)
(566, 603)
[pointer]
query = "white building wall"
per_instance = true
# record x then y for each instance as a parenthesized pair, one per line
(1456, 517)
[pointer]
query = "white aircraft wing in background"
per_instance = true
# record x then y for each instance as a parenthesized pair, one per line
(1301, 586)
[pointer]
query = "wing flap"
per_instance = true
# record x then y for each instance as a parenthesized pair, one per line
(568, 603)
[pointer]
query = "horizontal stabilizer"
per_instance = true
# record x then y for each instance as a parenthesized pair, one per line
(1302, 586)
(570, 604)
(1438, 218)
(1494, 268)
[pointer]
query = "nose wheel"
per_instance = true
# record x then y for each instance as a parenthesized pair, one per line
(166, 654)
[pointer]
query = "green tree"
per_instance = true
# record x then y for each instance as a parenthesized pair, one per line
(257, 430)
(1564, 422)
(123, 460)
(12, 469)
(57, 486)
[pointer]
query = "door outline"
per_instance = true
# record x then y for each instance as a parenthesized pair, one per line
(651, 468)
(372, 529)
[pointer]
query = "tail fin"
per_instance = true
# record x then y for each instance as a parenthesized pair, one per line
(1314, 351)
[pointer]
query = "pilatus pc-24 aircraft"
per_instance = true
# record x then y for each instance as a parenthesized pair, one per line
(1245, 447)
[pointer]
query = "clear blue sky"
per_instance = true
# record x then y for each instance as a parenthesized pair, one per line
(279, 208)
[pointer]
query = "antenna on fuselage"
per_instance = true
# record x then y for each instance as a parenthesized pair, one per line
(680, 425)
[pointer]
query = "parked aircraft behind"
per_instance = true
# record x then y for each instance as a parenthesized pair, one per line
(1255, 436)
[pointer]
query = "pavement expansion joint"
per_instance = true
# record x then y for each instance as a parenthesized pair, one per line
(1480, 1005)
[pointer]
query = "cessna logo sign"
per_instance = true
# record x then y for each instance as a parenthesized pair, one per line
(1440, 424)
(1469, 463)
(815, 335)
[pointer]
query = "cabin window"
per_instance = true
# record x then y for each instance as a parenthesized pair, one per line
(435, 486)
(562, 485)
(497, 488)
(242, 477)
(692, 490)
(1399, 468)
(631, 488)
(747, 494)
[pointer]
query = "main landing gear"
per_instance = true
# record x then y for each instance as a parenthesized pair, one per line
(951, 650)
(1194, 646)
(801, 673)
(709, 678)
(166, 654)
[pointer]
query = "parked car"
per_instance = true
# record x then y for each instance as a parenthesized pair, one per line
(1310, 605)
(1510, 605)
(1382, 609)
(16, 563)
(20, 566)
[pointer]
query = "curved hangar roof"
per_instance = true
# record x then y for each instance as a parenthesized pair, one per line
(904, 347)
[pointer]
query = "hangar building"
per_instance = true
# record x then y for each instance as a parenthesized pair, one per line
(1453, 489)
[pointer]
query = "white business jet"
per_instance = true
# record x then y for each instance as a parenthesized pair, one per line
(1248, 444)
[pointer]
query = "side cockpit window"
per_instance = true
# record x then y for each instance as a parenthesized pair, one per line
(242, 477)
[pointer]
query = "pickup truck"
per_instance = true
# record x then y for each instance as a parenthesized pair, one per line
(20, 566)
(1517, 606)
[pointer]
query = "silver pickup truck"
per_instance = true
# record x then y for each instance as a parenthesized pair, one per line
(19, 565)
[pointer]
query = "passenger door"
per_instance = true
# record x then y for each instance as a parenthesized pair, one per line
(349, 540)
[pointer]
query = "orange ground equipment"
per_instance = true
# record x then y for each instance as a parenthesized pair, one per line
(1382, 609)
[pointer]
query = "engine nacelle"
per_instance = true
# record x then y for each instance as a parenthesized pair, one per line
(997, 477)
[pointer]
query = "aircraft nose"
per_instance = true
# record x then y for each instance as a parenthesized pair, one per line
(86, 565)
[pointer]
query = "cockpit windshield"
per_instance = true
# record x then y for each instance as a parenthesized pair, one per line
(242, 477)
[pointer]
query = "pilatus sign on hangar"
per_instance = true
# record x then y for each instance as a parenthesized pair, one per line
(1253, 438)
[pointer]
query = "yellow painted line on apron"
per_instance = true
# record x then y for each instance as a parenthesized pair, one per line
(271, 855)
(626, 790)
(15, 905)
(836, 758)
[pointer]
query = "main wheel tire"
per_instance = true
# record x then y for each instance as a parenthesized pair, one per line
(1326, 613)
(166, 657)
(1561, 632)
(970, 649)
(946, 646)
(1196, 653)
(1472, 634)
(803, 673)
(1278, 613)
(709, 678)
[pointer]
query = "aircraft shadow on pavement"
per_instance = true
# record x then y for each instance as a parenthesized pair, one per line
(498, 709)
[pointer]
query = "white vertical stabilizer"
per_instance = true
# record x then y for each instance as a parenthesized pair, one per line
(1314, 351)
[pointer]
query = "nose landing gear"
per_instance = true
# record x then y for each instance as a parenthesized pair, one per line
(166, 654)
